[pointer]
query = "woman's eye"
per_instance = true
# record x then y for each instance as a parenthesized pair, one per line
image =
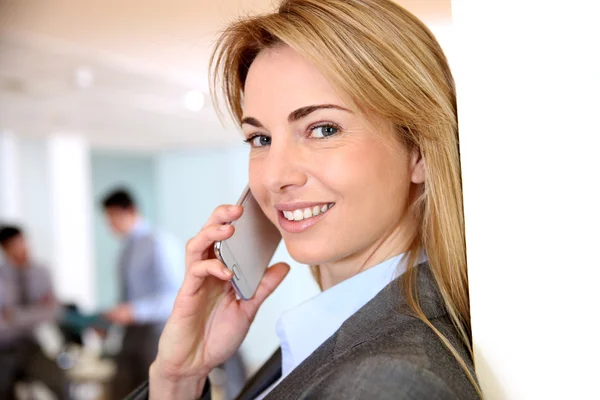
(323, 131)
(259, 141)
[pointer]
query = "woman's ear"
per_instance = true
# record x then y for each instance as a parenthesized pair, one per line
(417, 167)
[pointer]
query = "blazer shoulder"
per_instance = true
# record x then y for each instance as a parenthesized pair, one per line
(382, 377)
(408, 351)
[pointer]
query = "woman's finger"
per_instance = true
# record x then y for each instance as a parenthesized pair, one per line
(199, 271)
(224, 214)
(206, 238)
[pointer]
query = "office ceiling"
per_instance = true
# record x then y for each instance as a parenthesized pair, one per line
(118, 71)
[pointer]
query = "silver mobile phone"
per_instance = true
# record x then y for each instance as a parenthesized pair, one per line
(247, 253)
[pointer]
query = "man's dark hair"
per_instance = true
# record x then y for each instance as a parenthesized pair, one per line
(7, 233)
(120, 198)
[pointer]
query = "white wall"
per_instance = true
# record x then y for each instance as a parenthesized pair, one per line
(190, 185)
(34, 195)
(528, 87)
(73, 268)
(9, 170)
(24, 191)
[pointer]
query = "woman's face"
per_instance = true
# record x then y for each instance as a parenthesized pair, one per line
(317, 170)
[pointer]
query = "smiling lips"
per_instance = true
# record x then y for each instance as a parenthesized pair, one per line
(297, 217)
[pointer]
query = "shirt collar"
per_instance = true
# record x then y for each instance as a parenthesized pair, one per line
(9, 265)
(304, 328)
(140, 228)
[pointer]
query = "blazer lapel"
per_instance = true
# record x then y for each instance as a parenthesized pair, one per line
(388, 305)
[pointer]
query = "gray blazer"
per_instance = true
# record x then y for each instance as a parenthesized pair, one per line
(380, 352)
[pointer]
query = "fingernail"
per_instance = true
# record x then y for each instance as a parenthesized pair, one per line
(232, 208)
(224, 227)
(227, 272)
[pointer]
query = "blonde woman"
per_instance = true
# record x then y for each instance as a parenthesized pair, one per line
(349, 109)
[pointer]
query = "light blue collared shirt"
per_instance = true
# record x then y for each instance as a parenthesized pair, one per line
(304, 328)
(152, 268)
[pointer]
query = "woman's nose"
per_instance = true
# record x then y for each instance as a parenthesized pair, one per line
(284, 168)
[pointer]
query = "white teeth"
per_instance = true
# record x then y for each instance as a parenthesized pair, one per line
(298, 215)
(305, 213)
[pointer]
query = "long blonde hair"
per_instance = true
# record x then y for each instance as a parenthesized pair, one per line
(388, 64)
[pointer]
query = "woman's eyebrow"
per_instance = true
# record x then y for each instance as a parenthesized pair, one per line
(304, 111)
(295, 115)
(252, 121)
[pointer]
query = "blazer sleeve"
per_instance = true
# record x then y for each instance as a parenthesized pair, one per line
(381, 378)
(143, 392)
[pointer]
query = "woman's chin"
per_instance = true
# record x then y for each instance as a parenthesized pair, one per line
(309, 255)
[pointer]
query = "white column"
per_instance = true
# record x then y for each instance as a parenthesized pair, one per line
(10, 209)
(528, 85)
(71, 202)
(34, 189)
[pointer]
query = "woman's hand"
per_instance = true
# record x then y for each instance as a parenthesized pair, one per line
(207, 324)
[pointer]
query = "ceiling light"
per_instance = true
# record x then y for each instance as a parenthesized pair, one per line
(84, 77)
(194, 100)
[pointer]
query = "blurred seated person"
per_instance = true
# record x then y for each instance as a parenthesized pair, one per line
(26, 300)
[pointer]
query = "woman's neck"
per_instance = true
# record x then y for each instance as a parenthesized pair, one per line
(396, 242)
